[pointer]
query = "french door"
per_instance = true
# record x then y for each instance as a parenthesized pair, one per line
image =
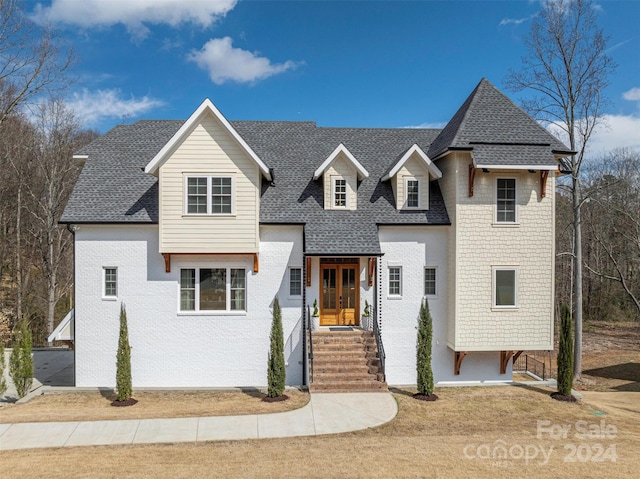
(339, 293)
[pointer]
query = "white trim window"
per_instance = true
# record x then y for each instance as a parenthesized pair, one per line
(505, 287)
(506, 200)
(295, 282)
(412, 193)
(213, 289)
(339, 192)
(430, 288)
(395, 280)
(209, 195)
(110, 282)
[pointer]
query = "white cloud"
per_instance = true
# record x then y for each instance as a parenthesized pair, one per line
(617, 131)
(91, 107)
(226, 63)
(514, 21)
(437, 125)
(632, 95)
(134, 14)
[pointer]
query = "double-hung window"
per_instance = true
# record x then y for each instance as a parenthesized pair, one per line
(395, 281)
(295, 281)
(209, 195)
(429, 281)
(412, 186)
(339, 193)
(110, 276)
(505, 287)
(506, 200)
(213, 289)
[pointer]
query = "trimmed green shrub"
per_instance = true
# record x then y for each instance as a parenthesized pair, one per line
(276, 373)
(21, 362)
(565, 352)
(124, 389)
(423, 358)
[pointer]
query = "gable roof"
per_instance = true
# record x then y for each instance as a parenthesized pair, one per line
(427, 163)
(205, 107)
(488, 117)
(362, 173)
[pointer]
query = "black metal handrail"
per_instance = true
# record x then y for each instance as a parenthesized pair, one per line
(378, 336)
(310, 357)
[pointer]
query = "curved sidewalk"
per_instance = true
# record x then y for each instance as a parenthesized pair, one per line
(326, 413)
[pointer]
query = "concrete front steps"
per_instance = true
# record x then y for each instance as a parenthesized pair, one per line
(346, 361)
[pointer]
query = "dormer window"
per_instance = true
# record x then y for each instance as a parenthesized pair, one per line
(340, 174)
(339, 192)
(209, 195)
(410, 176)
(413, 193)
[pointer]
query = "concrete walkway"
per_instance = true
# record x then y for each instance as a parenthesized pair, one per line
(324, 414)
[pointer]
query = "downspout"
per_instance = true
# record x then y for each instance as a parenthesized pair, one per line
(72, 230)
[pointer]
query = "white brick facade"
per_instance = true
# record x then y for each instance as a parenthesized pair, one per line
(169, 349)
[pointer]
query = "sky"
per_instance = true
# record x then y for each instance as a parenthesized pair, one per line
(338, 63)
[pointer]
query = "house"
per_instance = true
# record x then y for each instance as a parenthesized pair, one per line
(198, 225)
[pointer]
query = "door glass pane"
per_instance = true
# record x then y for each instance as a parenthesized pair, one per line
(349, 288)
(329, 288)
(213, 289)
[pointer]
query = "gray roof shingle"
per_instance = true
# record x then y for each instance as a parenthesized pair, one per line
(113, 188)
(488, 116)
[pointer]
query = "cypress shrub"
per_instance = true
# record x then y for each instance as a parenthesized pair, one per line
(21, 362)
(565, 352)
(276, 373)
(3, 382)
(423, 357)
(123, 361)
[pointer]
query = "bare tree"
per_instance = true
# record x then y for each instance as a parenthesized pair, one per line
(613, 191)
(567, 69)
(32, 60)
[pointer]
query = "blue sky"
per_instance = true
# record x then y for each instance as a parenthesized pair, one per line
(347, 63)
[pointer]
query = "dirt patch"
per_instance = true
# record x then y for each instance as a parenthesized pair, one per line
(97, 406)
(563, 397)
(284, 397)
(425, 397)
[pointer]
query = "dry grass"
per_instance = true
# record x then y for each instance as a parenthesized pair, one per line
(425, 440)
(96, 406)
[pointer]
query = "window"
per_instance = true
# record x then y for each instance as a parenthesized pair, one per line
(340, 193)
(504, 281)
(395, 281)
(209, 195)
(295, 281)
(110, 282)
(413, 193)
(213, 289)
(506, 200)
(429, 281)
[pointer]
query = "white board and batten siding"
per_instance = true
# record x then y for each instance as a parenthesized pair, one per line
(209, 149)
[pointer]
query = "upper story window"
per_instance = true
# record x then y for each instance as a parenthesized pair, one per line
(213, 289)
(339, 192)
(412, 188)
(110, 282)
(506, 200)
(209, 195)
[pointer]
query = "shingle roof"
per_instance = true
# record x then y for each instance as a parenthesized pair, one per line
(488, 117)
(114, 188)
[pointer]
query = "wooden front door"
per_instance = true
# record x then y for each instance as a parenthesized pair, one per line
(339, 294)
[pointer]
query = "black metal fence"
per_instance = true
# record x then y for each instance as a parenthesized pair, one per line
(537, 364)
